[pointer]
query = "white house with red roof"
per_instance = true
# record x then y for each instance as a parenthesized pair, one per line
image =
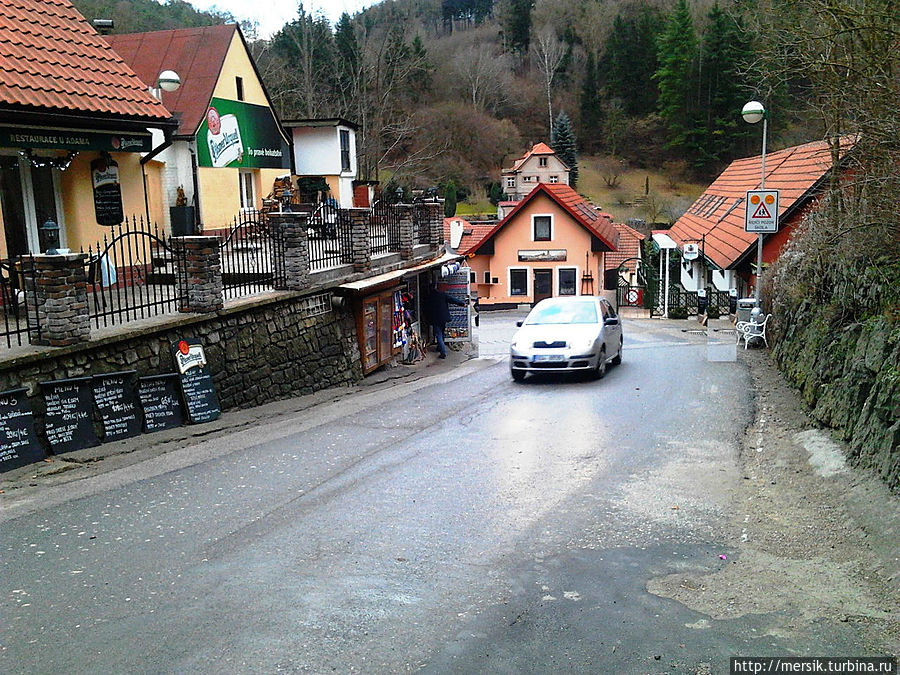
(539, 165)
(715, 222)
(553, 243)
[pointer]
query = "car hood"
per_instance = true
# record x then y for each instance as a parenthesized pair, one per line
(580, 332)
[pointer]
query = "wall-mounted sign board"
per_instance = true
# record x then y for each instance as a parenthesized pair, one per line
(69, 423)
(198, 392)
(116, 401)
(161, 401)
(19, 444)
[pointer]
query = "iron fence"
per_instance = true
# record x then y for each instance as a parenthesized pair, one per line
(384, 229)
(134, 274)
(251, 256)
(329, 236)
(20, 317)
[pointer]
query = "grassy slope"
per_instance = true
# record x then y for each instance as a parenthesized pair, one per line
(667, 200)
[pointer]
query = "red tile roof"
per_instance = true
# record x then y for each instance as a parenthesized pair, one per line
(53, 59)
(536, 149)
(629, 247)
(719, 212)
(597, 223)
(472, 233)
(196, 54)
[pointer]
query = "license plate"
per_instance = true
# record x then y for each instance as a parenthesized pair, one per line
(549, 357)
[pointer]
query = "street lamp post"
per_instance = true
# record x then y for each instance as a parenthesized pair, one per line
(753, 112)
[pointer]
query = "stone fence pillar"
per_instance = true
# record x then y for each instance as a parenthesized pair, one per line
(57, 287)
(199, 274)
(360, 220)
(294, 236)
(407, 231)
(435, 211)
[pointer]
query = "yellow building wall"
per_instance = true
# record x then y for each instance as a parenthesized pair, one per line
(517, 235)
(75, 184)
(220, 199)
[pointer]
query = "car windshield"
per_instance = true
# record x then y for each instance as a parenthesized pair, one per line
(562, 313)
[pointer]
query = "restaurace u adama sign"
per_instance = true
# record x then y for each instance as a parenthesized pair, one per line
(60, 139)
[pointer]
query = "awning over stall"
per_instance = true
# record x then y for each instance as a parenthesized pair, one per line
(365, 286)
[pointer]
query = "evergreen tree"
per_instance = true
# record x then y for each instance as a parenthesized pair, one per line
(676, 78)
(591, 108)
(449, 199)
(517, 25)
(565, 145)
(630, 60)
(721, 95)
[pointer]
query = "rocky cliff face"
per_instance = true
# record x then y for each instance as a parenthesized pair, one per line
(849, 377)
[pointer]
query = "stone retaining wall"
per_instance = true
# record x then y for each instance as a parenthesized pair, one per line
(850, 379)
(258, 351)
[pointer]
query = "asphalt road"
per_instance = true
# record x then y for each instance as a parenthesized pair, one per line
(458, 523)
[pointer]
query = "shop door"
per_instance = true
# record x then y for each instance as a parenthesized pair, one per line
(543, 285)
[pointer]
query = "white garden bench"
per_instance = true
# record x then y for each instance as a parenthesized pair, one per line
(751, 330)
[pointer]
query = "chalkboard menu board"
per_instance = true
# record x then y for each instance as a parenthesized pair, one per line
(69, 422)
(160, 400)
(107, 191)
(117, 404)
(197, 388)
(18, 443)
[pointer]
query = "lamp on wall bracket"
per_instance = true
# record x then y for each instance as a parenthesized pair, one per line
(167, 80)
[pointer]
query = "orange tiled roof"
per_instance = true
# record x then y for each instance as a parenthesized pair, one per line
(472, 233)
(53, 59)
(196, 54)
(597, 223)
(719, 212)
(629, 246)
(536, 149)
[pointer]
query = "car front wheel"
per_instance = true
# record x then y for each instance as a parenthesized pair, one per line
(518, 375)
(617, 359)
(600, 370)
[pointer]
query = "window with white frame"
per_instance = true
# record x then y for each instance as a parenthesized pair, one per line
(518, 282)
(542, 161)
(472, 277)
(554, 179)
(487, 276)
(345, 150)
(566, 281)
(510, 181)
(542, 228)
(247, 189)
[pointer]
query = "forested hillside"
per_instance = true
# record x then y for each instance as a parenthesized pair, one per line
(138, 16)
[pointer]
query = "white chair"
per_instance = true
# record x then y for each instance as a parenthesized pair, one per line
(751, 330)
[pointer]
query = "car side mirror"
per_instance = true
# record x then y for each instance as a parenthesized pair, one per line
(611, 321)
(518, 324)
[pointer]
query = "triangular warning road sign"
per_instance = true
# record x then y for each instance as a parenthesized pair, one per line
(762, 211)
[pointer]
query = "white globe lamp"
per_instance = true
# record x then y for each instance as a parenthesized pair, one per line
(753, 112)
(169, 80)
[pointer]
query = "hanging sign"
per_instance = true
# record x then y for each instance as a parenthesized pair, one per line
(69, 423)
(197, 388)
(107, 191)
(762, 211)
(117, 404)
(18, 442)
(690, 252)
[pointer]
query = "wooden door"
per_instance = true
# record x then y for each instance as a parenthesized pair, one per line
(543, 285)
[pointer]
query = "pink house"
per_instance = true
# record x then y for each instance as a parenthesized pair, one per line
(552, 243)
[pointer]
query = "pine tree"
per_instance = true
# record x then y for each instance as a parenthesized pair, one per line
(630, 60)
(565, 145)
(591, 107)
(676, 78)
(721, 94)
(517, 25)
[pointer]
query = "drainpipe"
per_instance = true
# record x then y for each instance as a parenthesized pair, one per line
(167, 141)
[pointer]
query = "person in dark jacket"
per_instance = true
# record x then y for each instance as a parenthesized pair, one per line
(437, 306)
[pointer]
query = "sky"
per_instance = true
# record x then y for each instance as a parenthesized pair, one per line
(279, 12)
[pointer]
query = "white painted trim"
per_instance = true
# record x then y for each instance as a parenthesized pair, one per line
(556, 279)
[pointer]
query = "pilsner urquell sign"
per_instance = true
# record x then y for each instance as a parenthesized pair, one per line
(241, 135)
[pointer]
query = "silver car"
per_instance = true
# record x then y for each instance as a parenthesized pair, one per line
(567, 334)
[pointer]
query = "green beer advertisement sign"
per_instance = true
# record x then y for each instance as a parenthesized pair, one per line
(235, 134)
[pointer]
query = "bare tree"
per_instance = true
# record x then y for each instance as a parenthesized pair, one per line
(548, 53)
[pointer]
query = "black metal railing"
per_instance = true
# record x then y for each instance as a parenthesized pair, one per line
(134, 274)
(20, 318)
(422, 223)
(384, 229)
(252, 256)
(329, 236)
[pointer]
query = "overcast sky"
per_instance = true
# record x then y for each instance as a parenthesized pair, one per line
(275, 13)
